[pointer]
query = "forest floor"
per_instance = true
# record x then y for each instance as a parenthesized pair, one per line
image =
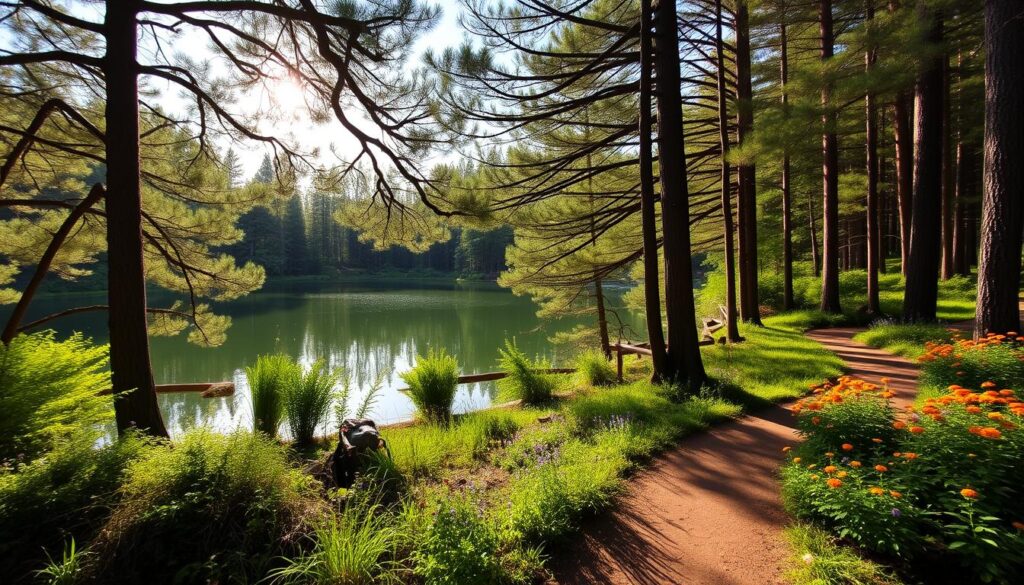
(709, 511)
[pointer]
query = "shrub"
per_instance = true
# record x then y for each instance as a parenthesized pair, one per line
(459, 546)
(947, 477)
(998, 359)
(524, 381)
(66, 494)
(432, 385)
(356, 547)
(595, 369)
(206, 508)
(49, 389)
(269, 379)
(307, 401)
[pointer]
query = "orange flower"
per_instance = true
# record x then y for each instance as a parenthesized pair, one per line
(895, 494)
(876, 440)
(881, 468)
(968, 493)
(995, 415)
(796, 460)
(829, 454)
(815, 420)
(842, 474)
(834, 483)
(815, 476)
(787, 449)
(1018, 525)
(899, 425)
(988, 384)
(855, 464)
(990, 433)
(973, 410)
(847, 447)
(830, 469)
(917, 430)
(876, 491)
(910, 455)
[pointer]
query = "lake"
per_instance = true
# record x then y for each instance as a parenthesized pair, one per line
(370, 327)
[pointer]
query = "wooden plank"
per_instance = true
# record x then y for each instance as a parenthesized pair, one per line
(207, 389)
(491, 376)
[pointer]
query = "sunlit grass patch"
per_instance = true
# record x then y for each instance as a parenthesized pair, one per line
(818, 560)
(906, 339)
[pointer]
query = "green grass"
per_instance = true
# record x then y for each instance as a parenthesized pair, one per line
(433, 382)
(818, 560)
(903, 339)
(269, 378)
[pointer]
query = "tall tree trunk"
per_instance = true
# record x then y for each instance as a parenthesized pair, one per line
(964, 180)
(948, 184)
(1003, 190)
(135, 403)
(871, 134)
(903, 134)
(732, 327)
(922, 289)
(787, 195)
(602, 316)
(815, 253)
(683, 352)
(830, 172)
(750, 304)
(652, 295)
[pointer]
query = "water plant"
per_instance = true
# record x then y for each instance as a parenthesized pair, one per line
(432, 385)
(307, 401)
(269, 379)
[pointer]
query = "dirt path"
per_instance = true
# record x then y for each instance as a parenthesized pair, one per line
(708, 512)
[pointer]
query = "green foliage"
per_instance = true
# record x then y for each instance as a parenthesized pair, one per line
(944, 476)
(906, 339)
(459, 546)
(524, 381)
(67, 570)
(307, 401)
(208, 507)
(818, 560)
(433, 382)
(355, 547)
(269, 379)
(66, 493)
(594, 369)
(996, 359)
(48, 390)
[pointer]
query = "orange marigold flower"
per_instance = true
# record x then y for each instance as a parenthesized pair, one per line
(990, 433)
(968, 493)
(876, 491)
(855, 464)
(842, 474)
(995, 415)
(829, 454)
(1017, 525)
(876, 440)
(812, 466)
(847, 447)
(974, 430)
(910, 455)
(881, 468)
(974, 409)
(796, 460)
(917, 430)
(899, 425)
(895, 494)
(815, 420)
(787, 449)
(834, 483)
(989, 384)
(830, 469)
(1006, 392)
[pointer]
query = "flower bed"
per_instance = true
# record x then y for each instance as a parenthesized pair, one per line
(942, 481)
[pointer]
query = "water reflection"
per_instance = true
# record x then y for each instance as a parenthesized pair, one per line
(367, 327)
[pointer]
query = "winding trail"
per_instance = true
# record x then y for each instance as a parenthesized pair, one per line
(709, 512)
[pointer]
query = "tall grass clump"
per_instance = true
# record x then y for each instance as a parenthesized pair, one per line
(524, 380)
(307, 401)
(906, 339)
(356, 547)
(50, 389)
(269, 379)
(206, 508)
(594, 369)
(432, 385)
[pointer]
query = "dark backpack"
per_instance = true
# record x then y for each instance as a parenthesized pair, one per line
(356, 439)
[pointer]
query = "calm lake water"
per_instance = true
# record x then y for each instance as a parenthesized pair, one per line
(370, 327)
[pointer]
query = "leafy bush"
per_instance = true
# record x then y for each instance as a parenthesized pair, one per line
(996, 358)
(356, 547)
(269, 378)
(946, 477)
(307, 401)
(208, 507)
(49, 389)
(65, 494)
(524, 381)
(433, 382)
(594, 369)
(459, 547)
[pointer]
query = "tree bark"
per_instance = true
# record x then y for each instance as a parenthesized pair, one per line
(135, 403)
(964, 180)
(732, 327)
(652, 294)
(948, 184)
(921, 293)
(830, 173)
(904, 172)
(684, 360)
(1003, 187)
(750, 304)
(871, 138)
(787, 195)
(815, 253)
